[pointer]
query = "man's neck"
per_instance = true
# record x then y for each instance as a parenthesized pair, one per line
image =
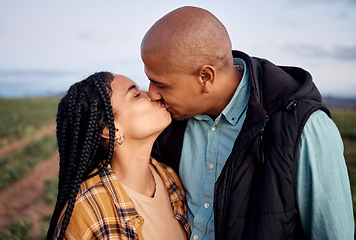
(224, 93)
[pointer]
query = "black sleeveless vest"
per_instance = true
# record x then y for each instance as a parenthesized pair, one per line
(254, 196)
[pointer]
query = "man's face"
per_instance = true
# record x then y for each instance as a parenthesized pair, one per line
(181, 93)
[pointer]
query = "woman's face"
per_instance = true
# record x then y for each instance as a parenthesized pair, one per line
(136, 116)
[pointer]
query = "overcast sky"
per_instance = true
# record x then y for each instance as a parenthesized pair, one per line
(45, 46)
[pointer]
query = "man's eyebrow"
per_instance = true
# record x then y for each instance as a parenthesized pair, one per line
(133, 86)
(151, 80)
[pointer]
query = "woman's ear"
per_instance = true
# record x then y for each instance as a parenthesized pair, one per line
(106, 134)
(118, 134)
(207, 75)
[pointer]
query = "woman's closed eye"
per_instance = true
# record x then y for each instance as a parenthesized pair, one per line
(136, 92)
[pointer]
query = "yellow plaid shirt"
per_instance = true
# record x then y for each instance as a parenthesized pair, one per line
(103, 210)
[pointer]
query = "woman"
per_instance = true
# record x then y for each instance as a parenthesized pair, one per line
(109, 186)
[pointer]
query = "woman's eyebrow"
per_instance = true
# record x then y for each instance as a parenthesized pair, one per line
(133, 86)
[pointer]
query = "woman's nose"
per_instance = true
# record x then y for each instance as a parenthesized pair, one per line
(144, 93)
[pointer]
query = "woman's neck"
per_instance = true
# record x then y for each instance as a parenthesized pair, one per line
(130, 164)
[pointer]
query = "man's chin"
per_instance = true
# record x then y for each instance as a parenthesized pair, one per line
(179, 117)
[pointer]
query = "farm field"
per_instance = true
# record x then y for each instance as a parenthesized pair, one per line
(29, 163)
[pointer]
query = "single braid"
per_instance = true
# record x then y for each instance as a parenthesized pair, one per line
(96, 136)
(97, 151)
(61, 127)
(110, 121)
(70, 142)
(82, 115)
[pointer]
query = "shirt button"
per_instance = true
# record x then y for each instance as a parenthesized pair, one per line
(213, 128)
(195, 237)
(211, 166)
(206, 205)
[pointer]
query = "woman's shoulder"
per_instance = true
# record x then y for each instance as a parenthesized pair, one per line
(88, 186)
(93, 202)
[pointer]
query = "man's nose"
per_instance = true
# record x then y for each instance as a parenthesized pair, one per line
(153, 93)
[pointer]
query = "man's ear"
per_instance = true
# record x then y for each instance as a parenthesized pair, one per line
(207, 74)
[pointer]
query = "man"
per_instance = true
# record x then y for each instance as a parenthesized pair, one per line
(256, 150)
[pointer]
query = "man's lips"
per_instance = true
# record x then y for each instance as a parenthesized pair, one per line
(167, 107)
(162, 105)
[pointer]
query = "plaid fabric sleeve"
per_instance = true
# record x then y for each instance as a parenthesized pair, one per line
(96, 217)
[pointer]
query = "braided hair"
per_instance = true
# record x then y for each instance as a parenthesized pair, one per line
(82, 115)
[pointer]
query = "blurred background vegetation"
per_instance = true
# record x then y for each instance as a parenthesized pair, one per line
(345, 120)
(22, 118)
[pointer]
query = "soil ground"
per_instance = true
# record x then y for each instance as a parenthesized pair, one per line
(23, 198)
(22, 142)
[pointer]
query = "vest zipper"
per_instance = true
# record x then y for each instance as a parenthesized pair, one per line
(261, 146)
(229, 180)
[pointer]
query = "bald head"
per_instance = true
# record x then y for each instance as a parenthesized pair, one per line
(187, 38)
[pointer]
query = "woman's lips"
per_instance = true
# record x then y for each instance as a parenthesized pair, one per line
(161, 104)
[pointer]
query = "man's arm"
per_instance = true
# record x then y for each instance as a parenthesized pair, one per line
(322, 182)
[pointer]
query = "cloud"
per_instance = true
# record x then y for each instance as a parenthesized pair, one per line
(18, 76)
(346, 53)
(21, 83)
(85, 35)
(35, 82)
(304, 2)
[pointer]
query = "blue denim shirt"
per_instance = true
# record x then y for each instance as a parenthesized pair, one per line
(206, 146)
(322, 184)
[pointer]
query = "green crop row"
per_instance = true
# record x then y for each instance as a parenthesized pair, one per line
(51, 190)
(23, 160)
(345, 120)
(21, 117)
(19, 230)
